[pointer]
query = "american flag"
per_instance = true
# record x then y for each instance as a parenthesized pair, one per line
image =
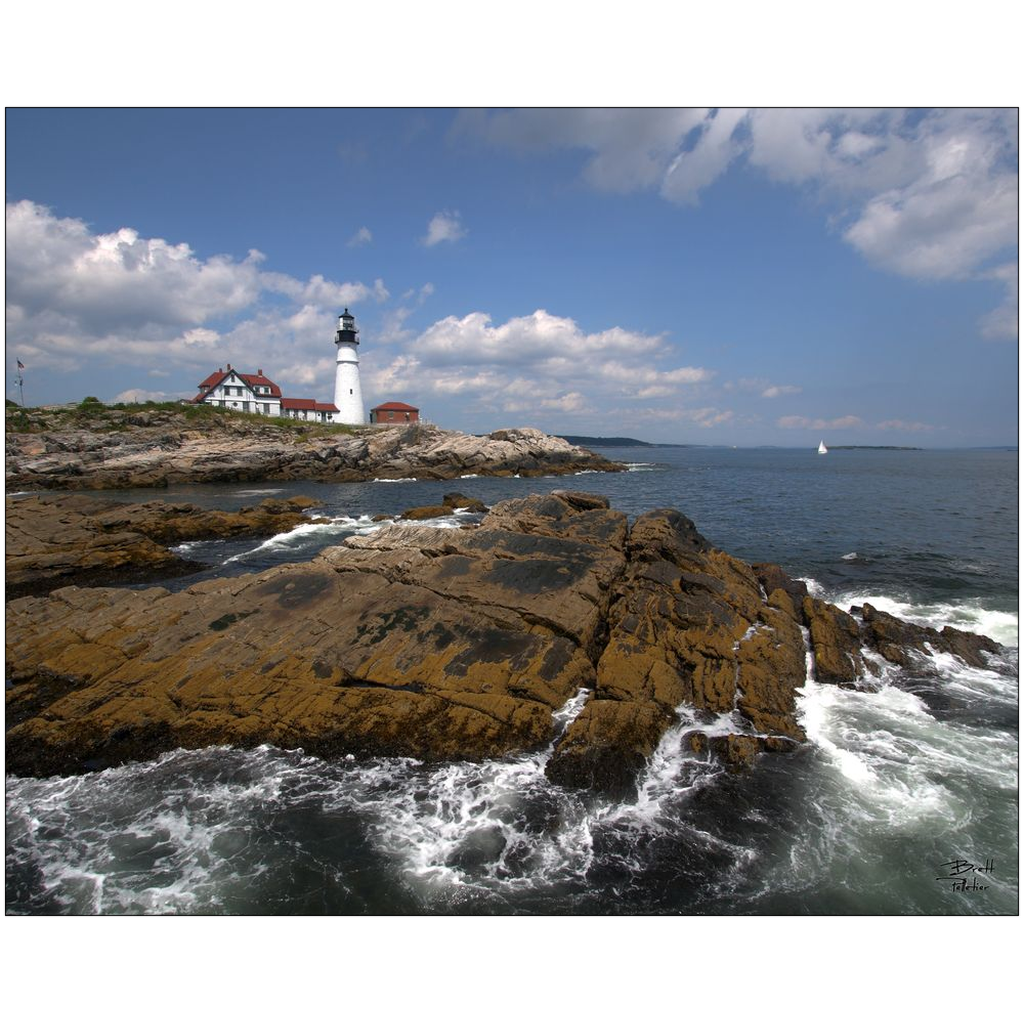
(21, 365)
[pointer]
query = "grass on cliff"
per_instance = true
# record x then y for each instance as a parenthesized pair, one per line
(91, 414)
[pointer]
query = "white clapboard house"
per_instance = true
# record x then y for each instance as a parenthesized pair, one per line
(255, 393)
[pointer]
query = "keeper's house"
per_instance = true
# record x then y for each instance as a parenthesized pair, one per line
(255, 393)
(395, 412)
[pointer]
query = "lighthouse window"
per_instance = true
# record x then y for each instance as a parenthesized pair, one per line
(350, 391)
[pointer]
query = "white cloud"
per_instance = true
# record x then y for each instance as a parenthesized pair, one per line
(118, 299)
(776, 390)
(629, 149)
(698, 166)
(932, 196)
(706, 417)
(445, 226)
(536, 363)
(903, 425)
(362, 237)
(141, 395)
(761, 386)
(1002, 321)
(804, 423)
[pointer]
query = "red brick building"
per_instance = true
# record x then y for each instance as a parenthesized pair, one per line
(395, 412)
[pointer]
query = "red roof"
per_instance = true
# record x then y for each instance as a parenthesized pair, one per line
(395, 406)
(252, 379)
(213, 380)
(309, 404)
(258, 380)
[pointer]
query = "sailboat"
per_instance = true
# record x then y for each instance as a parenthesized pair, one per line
(822, 450)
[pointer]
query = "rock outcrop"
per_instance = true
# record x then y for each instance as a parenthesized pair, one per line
(436, 644)
(108, 448)
(56, 540)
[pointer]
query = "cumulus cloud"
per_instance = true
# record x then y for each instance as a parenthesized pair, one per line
(362, 237)
(541, 363)
(929, 195)
(445, 226)
(118, 298)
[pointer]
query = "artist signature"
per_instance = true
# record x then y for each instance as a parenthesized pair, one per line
(963, 874)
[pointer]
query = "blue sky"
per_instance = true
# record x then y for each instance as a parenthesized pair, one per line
(697, 276)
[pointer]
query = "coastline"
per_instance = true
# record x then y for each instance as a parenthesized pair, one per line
(443, 644)
(99, 448)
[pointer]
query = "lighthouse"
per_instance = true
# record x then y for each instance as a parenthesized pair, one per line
(348, 396)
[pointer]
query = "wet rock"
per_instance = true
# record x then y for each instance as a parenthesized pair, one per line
(418, 641)
(432, 643)
(781, 590)
(836, 642)
(457, 500)
(608, 746)
(898, 641)
(55, 540)
(449, 503)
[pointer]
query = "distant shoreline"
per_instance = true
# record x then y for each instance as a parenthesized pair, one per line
(584, 440)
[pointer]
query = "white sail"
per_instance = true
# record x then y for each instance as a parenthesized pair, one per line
(822, 450)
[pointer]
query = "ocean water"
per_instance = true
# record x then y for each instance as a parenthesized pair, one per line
(903, 800)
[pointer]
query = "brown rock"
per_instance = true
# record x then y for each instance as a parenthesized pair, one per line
(54, 540)
(608, 745)
(417, 641)
(835, 638)
(429, 643)
(899, 641)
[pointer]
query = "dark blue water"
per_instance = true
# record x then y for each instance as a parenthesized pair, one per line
(891, 786)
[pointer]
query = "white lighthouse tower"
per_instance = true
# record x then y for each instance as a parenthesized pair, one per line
(348, 395)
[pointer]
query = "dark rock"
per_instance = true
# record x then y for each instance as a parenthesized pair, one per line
(608, 745)
(898, 641)
(456, 500)
(56, 540)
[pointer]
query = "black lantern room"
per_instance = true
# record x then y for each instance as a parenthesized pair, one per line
(347, 330)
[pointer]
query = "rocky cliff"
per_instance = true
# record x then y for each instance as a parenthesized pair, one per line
(95, 447)
(439, 644)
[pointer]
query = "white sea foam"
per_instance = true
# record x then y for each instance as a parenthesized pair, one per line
(401, 480)
(903, 767)
(852, 556)
(296, 537)
(641, 467)
(188, 546)
(469, 824)
(969, 615)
